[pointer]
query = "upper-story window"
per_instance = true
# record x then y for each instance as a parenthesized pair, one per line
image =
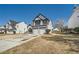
(37, 22)
(45, 22)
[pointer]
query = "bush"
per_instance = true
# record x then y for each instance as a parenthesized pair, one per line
(14, 32)
(30, 30)
(47, 31)
(76, 29)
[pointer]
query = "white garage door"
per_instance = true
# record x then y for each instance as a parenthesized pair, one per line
(38, 31)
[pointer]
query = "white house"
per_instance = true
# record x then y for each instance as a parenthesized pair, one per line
(2, 29)
(17, 27)
(40, 24)
(56, 29)
(21, 27)
(74, 19)
(9, 28)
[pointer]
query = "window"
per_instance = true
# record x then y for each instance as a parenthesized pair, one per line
(44, 22)
(37, 22)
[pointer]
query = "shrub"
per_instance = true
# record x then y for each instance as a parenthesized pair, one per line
(14, 32)
(76, 29)
(30, 30)
(47, 31)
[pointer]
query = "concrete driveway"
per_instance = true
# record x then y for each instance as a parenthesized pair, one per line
(9, 43)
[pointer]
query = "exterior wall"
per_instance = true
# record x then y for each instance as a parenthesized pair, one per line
(11, 32)
(21, 27)
(42, 30)
(49, 26)
(74, 19)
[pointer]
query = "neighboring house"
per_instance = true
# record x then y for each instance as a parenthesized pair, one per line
(21, 27)
(9, 28)
(15, 27)
(40, 24)
(56, 29)
(74, 19)
(2, 29)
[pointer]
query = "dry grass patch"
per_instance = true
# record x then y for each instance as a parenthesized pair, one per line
(47, 44)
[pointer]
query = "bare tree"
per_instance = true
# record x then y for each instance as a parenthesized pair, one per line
(13, 24)
(59, 24)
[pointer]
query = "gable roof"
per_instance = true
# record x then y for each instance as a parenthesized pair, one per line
(40, 17)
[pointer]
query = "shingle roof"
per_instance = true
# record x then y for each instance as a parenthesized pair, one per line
(40, 17)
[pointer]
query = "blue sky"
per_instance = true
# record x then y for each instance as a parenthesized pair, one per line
(27, 12)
